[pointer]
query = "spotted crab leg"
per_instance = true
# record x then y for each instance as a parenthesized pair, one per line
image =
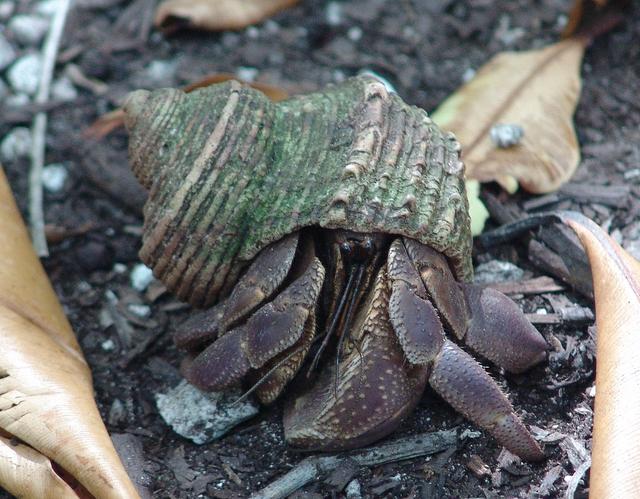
(263, 277)
(270, 331)
(375, 390)
(454, 375)
(485, 319)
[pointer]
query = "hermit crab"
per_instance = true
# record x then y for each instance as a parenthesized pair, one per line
(327, 237)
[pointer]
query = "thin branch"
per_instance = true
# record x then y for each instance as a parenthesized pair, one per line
(36, 213)
(399, 450)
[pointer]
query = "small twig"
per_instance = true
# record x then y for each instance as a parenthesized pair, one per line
(36, 212)
(311, 468)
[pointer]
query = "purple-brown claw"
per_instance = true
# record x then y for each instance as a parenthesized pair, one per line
(499, 331)
(467, 387)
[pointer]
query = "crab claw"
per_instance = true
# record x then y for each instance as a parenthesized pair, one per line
(467, 387)
(499, 331)
(374, 392)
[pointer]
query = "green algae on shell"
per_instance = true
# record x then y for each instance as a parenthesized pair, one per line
(230, 172)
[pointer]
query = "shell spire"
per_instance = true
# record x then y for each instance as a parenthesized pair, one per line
(230, 172)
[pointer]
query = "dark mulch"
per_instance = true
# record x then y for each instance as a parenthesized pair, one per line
(425, 48)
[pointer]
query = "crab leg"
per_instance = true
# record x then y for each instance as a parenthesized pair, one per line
(271, 330)
(467, 387)
(455, 375)
(263, 277)
(485, 319)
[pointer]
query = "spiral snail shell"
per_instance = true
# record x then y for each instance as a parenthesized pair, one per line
(229, 172)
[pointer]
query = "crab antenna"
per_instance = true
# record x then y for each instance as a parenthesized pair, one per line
(347, 324)
(266, 376)
(334, 323)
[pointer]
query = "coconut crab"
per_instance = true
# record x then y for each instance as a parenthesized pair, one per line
(328, 232)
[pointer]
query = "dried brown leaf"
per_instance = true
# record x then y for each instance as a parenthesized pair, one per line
(537, 90)
(46, 393)
(594, 17)
(216, 15)
(615, 468)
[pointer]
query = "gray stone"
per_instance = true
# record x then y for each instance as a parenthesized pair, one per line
(7, 52)
(506, 135)
(29, 29)
(16, 144)
(353, 489)
(199, 416)
(54, 177)
(497, 271)
(140, 277)
(47, 8)
(17, 100)
(6, 9)
(24, 74)
(63, 89)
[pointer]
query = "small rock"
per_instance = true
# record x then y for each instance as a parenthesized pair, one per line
(24, 74)
(354, 33)
(16, 144)
(17, 100)
(353, 489)
(160, 72)
(202, 417)
(29, 29)
(139, 310)
(333, 13)
(468, 75)
(117, 413)
(54, 177)
(7, 52)
(252, 32)
(47, 8)
(497, 271)
(506, 135)
(140, 277)
(108, 345)
(246, 73)
(6, 9)
(63, 89)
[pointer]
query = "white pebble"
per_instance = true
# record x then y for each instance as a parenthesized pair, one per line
(334, 13)
(506, 135)
(468, 75)
(497, 271)
(54, 177)
(17, 100)
(7, 52)
(354, 34)
(353, 490)
(16, 144)
(159, 72)
(591, 391)
(108, 345)
(119, 268)
(24, 74)
(139, 310)
(63, 90)
(29, 29)
(6, 9)
(247, 74)
(47, 8)
(141, 276)
(200, 416)
(253, 32)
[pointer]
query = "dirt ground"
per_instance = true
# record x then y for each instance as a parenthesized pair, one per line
(425, 49)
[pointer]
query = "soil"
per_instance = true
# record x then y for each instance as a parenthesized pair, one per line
(425, 49)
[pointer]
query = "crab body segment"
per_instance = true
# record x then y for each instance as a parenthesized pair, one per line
(330, 233)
